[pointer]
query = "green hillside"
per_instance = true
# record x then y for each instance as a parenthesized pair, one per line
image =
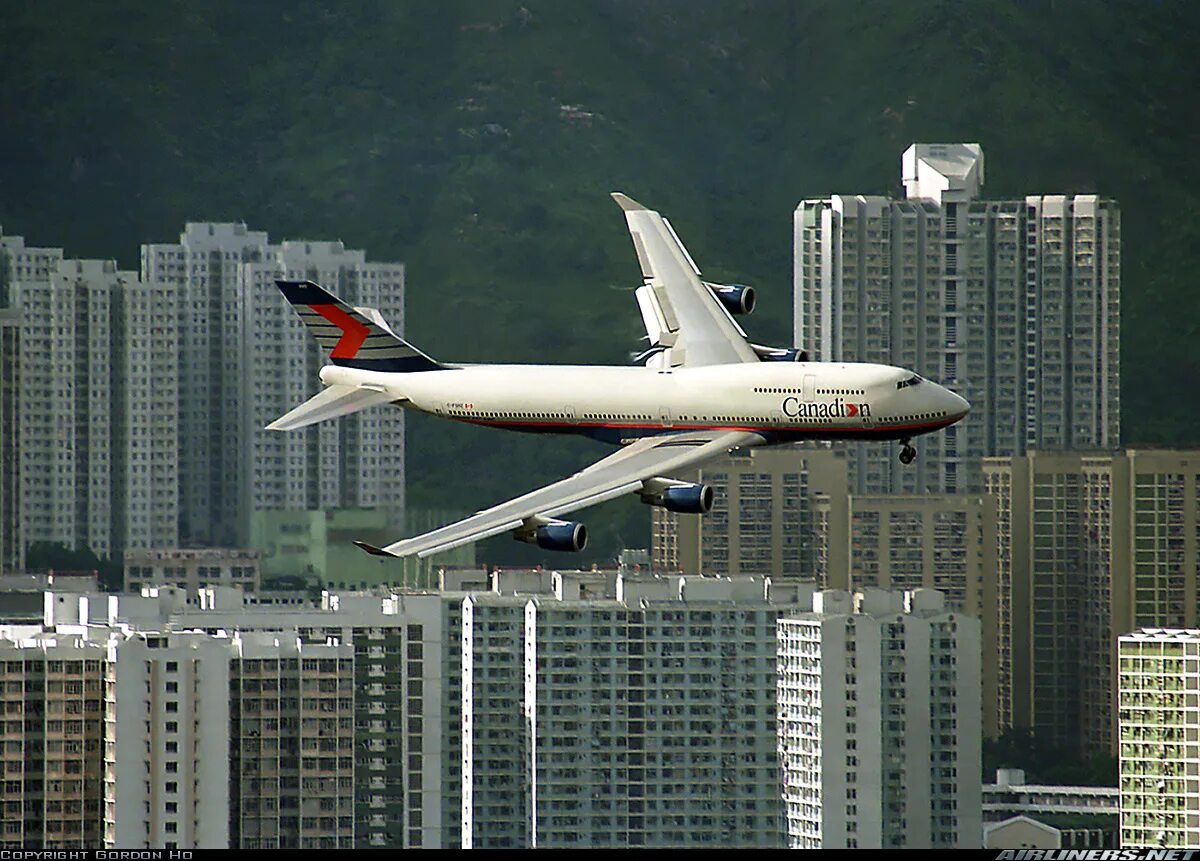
(477, 141)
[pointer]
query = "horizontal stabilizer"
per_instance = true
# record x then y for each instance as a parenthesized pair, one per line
(336, 400)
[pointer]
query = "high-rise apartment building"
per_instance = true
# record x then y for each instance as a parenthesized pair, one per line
(146, 429)
(95, 397)
(231, 724)
(205, 269)
(355, 462)
(12, 526)
(52, 786)
(1089, 546)
(945, 542)
(1159, 738)
(246, 359)
(292, 743)
(168, 751)
(561, 710)
(879, 730)
(651, 718)
(407, 697)
(137, 406)
(761, 524)
(67, 401)
(494, 783)
(17, 263)
(1014, 304)
(88, 395)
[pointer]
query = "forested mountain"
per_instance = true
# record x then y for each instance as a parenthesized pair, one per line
(477, 142)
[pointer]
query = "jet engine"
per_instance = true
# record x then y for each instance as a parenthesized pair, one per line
(738, 299)
(680, 497)
(560, 535)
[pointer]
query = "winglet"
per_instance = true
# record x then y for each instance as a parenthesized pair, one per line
(627, 203)
(372, 549)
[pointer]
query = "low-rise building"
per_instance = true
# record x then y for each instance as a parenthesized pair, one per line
(193, 569)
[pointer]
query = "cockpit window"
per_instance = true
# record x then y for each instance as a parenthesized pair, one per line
(911, 381)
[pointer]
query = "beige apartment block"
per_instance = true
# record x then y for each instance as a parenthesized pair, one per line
(1159, 738)
(945, 542)
(762, 521)
(53, 743)
(1090, 546)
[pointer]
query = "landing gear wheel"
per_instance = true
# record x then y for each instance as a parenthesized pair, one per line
(907, 454)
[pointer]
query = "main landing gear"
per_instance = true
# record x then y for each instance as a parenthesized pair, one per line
(907, 453)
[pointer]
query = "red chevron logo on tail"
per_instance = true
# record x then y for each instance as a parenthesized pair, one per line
(353, 332)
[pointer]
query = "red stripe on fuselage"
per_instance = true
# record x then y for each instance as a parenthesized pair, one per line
(878, 430)
(353, 332)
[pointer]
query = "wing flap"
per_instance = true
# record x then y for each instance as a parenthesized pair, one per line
(620, 473)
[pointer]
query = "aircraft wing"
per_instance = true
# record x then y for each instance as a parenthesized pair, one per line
(684, 320)
(624, 471)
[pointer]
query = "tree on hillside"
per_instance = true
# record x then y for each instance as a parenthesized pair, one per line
(43, 555)
(1044, 763)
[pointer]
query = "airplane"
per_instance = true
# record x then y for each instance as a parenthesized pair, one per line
(701, 389)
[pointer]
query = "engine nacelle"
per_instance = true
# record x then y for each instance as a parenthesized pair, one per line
(780, 354)
(681, 498)
(559, 535)
(738, 299)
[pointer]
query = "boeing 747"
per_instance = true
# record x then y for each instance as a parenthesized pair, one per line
(701, 389)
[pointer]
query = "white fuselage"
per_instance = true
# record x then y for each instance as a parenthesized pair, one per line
(783, 400)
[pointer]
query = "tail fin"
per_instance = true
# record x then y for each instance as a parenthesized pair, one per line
(352, 339)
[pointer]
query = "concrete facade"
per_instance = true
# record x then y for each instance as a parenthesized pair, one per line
(879, 725)
(560, 710)
(97, 434)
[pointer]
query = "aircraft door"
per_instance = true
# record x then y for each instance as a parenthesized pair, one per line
(666, 418)
(809, 390)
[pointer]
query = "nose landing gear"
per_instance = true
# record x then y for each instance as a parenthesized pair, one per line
(907, 453)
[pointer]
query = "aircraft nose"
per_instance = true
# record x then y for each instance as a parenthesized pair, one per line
(958, 405)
